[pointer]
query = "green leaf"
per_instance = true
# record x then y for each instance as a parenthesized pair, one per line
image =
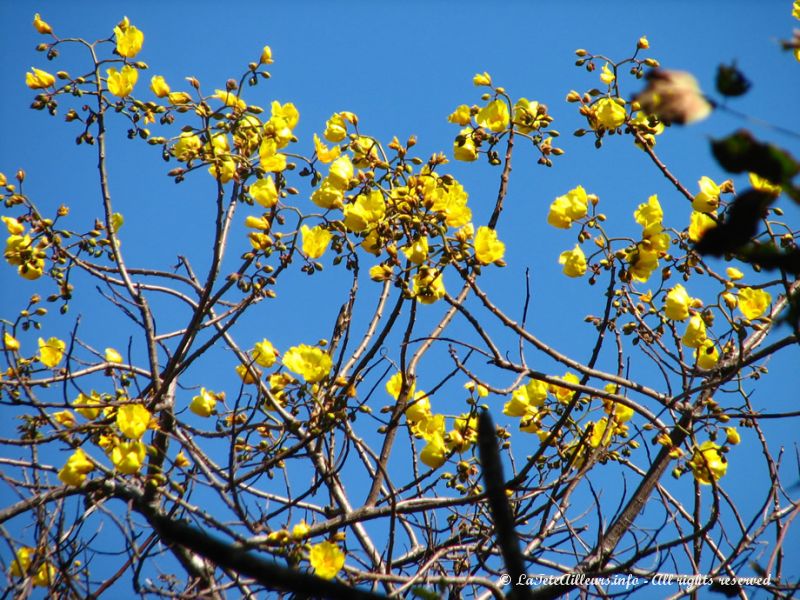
(740, 152)
(740, 224)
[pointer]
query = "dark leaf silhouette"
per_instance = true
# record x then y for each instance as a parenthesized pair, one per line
(731, 81)
(739, 226)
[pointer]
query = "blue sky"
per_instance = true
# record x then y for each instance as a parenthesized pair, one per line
(402, 67)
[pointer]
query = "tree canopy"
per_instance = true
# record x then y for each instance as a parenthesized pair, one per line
(252, 355)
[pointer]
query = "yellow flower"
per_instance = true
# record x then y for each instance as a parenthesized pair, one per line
(429, 427)
(315, 240)
(222, 169)
(187, 147)
(481, 390)
(14, 227)
(695, 334)
(609, 113)
(326, 559)
(482, 79)
(181, 460)
(753, 302)
(529, 115)
(308, 361)
(707, 355)
(129, 39)
(205, 402)
(494, 116)
(649, 215)
(619, 412)
(159, 86)
(128, 457)
(335, 128)
(461, 115)
(120, 83)
(732, 436)
(37, 79)
(562, 394)
(434, 454)
(282, 121)
(257, 222)
(75, 470)
(300, 531)
(531, 395)
(264, 192)
(10, 343)
(574, 262)
(366, 210)
(730, 300)
(394, 384)
(707, 463)
(699, 223)
(65, 418)
(676, 303)
(567, 208)
(51, 351)
(643, 43)
(487, 247)
(86, 405)
(451, 201)
(341, 172)
(764, 185)
(40, 25)
(113, 356)
(133, 420)
(249, 375)
(264, 353)
(601, 434)
(381, 272)
(642, 263)
(707, 200)
(28, 259)
(178, 98)
(648, 127)
(266, 56)
(417, 251)
(606, 75)
(259, 241)
(327, 195)
(428, 286)
(230, 99)
(734, 274)
(324, 154)
(22, 562)
(420, 409)
(21, 565)
(464, 148)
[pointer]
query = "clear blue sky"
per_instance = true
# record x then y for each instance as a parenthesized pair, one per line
(402, 67)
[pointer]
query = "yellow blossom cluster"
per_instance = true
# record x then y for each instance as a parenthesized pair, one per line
(564, 211)
(25, 560)
(643, 258)
(123, 445)
(497, 116)
(23, 252)
(431, 427)
(310, 362)
(708, 463)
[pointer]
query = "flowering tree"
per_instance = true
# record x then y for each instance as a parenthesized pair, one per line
(334, 466)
